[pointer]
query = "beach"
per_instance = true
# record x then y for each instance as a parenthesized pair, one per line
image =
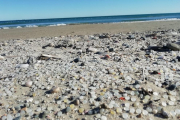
(87, 29)
(108, 71)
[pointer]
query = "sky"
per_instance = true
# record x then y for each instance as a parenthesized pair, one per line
(39, 9)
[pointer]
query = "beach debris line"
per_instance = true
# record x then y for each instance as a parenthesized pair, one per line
(100, 76)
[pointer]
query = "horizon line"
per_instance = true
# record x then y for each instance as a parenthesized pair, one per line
(87, 16)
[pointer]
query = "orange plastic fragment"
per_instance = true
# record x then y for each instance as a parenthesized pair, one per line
(122, 98)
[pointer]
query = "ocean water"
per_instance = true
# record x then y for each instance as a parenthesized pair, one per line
(88, 20)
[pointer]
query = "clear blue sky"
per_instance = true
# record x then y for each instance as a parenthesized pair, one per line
(37, 9)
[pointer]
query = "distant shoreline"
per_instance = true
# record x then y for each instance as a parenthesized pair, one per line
(87, 29)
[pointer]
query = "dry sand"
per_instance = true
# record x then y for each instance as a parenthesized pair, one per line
(86, 29)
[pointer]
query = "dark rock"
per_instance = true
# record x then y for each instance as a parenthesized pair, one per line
(178, 57)
(154, 72)
(104, 36)
(172, 87)
(165, 83)
(111, 49)
(17, 118)
(99, 53)
(100, 98)
(131, 37)
(136, 59)
(76, 60)
(82, 64)
(142, 38)
(43, 115)
(31, 60)
(136, 82)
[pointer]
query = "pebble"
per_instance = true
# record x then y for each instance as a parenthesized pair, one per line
(9, 117)
(2, 58)
(103, 118)
(28, 83)
(68, 109)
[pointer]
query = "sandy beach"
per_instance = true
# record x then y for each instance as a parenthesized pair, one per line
(86, 29)
(75, 72)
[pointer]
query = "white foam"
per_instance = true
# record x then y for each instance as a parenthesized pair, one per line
(52, 25)
(5, 28)
(170, 19)
(61, 24)
(18, 27)
(31, 26)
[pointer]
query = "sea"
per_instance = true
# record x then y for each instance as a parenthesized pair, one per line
(88, 20)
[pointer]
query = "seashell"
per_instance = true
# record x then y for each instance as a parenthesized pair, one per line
(28, 83)
(55, 89)
(92, 50)
(2, 58)
(22, 66)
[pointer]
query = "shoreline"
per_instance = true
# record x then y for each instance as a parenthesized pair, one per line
(87, 29)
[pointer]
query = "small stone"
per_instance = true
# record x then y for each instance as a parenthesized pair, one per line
(125, 115)
(111, 49)
(155, 111)
(144, 112)
(2, 58)
(100, 98)
(68, 109)
(92, 50)
(28, 83)
(43, 115)
(103, 118)
(17, 108)
(112, 112)
(81, 110)
(59, 113)
(131, 110)
(165, 114)
(119, 110)
(76, 60)
(72, 106)
(9, 117)
(138, 111)
(173, 46)
(76, 102)
(136, 104)
(172, 87)
(172, 98)
(90, 112)
(55, 89)
(22, 66)
(164, 104)
(102, 110)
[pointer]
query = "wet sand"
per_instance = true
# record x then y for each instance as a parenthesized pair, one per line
(86, 29)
